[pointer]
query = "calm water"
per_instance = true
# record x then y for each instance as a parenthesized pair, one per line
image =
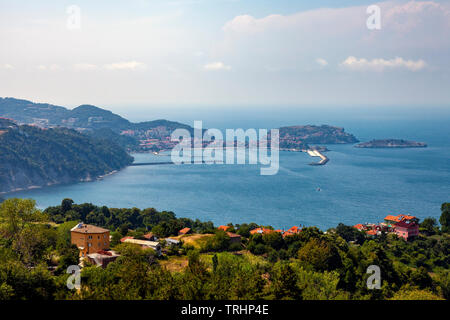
(357, 185)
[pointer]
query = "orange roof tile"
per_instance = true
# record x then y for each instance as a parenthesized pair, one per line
(261, 230)
(224, 228)
(184, 230)
(88, 228)
(233, 235)
(392, 218)
(126, 238)
(148, 235)
(294, 229)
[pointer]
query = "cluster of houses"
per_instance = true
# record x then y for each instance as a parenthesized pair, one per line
(94, 242)
(404, 226)
(284, 233)
(234, 238)
(157, 138)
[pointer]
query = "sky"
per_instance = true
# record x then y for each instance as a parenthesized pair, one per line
(223, 53)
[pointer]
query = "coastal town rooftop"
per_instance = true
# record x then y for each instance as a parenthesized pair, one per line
(88, 228)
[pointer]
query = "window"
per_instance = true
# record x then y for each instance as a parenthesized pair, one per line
(90, 237)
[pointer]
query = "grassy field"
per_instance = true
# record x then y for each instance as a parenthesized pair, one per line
(195, 240)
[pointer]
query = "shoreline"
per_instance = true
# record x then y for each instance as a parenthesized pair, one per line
(50, 184)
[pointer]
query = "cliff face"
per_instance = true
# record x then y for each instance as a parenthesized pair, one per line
(31, 156)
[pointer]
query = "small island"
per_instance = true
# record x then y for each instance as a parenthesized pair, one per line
(391, 143)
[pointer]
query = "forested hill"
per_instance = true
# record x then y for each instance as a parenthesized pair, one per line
(300, 137)
(93, 121)
(30, 156)
(83, 118)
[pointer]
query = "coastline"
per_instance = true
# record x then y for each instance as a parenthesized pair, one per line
(87, 179)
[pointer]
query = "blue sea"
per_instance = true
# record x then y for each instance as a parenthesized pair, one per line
(356, 186)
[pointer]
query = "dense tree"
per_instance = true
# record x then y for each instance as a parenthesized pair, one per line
(16, 214)
(445, 217)
(284, 282)
(428, 225)
(408, 294)
(309, 265)
(61, 155)
(349, 233)
(319, 255)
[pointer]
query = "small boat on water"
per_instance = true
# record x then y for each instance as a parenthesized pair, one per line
(318, 189)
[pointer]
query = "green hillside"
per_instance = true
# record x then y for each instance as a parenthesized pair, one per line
(31, 156)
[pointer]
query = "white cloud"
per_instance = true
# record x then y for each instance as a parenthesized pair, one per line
(381, 64)
(216, 66)
(85, 67)
(7, 66)
(248, 24)
(294, 40)
(128, 65)
(52, 67)
(322, 62)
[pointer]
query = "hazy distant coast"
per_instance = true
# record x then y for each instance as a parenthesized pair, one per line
(391, 143)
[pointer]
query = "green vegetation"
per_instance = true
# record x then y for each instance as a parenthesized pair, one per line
(299, 137)
(97, 122)
(35, 251)
(30, 156)
(108, 134)
(162, 224)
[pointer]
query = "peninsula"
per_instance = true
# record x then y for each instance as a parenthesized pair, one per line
(32, 157)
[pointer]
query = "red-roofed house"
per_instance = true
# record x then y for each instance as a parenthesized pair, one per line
(408, 218)
(184, 231)
(292, 231)
(261, 231)
(360, 227)
(125, 238)
(234, 238)
(392, 220)
(372, 233)
(89, 238)
(406, 229)
(149, 236)
(223, 228)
